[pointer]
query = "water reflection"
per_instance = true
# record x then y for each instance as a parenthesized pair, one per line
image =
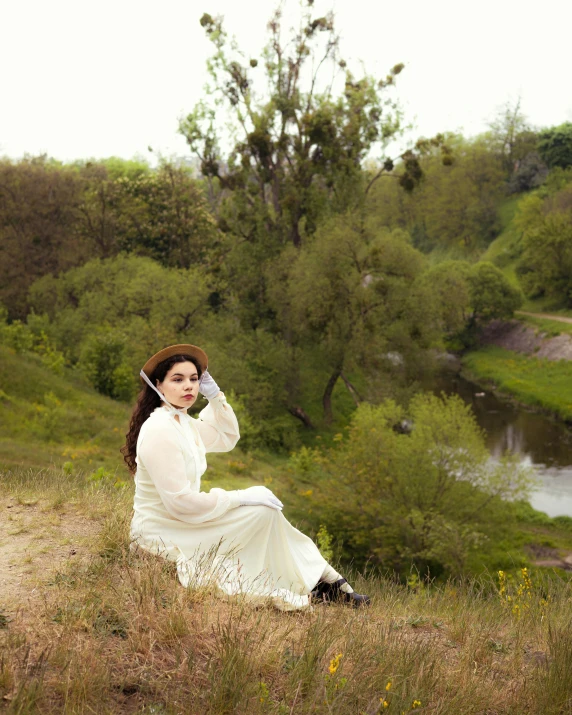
(547, 444)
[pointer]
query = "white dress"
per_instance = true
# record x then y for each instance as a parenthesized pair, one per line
(248, 550)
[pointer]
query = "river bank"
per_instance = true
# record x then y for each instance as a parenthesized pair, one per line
(528, 360)
(541, 384)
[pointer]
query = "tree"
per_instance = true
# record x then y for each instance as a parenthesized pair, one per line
(105, 205)
(298, 147)
(148, 304)
(455, 204)
(491, 294)
(545, 266)
(469, 296)
(449, 282)
(38, 216)
(168, 218)
(555, 145)
(511, 136)
(349, 294)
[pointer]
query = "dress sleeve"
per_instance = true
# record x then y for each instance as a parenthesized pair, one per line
(162, 456)
(218, 426)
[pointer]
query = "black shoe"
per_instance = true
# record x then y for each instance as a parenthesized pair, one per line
(331, 593)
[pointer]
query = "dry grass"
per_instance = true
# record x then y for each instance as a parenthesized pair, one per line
(109, 630)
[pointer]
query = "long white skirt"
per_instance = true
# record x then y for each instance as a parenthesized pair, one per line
(252, 551)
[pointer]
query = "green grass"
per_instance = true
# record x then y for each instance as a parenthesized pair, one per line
(504, 250)
(539, 383)
(51, 419)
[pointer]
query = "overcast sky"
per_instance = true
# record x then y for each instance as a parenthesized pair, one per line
(84, 79)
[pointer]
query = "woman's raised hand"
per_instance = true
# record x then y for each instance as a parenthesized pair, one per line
(207, 386)
(259, 496)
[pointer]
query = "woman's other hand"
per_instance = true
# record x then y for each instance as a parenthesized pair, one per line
(207, 386)
(259, 496)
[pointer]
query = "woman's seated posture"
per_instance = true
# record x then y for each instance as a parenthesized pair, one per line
(237, 540)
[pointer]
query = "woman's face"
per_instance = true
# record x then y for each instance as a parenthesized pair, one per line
(181, 384)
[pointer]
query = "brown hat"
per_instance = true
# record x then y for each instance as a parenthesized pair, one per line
(165, 353)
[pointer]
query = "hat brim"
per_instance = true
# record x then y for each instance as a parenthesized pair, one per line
(191, 350)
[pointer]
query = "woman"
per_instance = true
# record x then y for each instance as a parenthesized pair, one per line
(239, 540)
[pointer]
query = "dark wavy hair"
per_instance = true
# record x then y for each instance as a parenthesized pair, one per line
(147, 401)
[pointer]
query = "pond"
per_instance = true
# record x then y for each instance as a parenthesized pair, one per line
(541, 441)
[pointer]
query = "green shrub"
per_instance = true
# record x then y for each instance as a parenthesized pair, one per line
(103, 361)
(430, 498)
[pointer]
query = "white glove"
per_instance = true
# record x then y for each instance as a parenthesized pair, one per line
(207, 386)
(259, 496)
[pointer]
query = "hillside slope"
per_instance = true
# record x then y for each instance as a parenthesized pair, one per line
(51, 419)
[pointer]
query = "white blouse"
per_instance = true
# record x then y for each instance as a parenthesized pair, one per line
(171, 448)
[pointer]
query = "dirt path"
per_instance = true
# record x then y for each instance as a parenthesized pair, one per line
(559, 318)
(34, 543)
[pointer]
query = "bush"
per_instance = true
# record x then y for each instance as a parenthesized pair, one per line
(103, 361)
(430, 498)
(31, 337)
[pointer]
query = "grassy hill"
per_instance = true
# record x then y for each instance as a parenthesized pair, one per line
(86, 625)
(51, 419)
(504, 252)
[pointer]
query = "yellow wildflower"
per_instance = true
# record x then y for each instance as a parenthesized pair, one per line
(335, 663)
(388, 686)
(416, 704)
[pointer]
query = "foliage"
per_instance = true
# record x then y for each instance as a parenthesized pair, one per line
(492, 295)
(31, 337)
(150, 305)
(545, 266)
(55, 217)
(103, 361)
(352, 294)
(324, 542)
(38, 205)
(555, 145)
(455, 205)
(529, 173)
(168, 218)
(468, 296)
(429, 498)
(449, 283)
(302, 126)
(298, 144)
